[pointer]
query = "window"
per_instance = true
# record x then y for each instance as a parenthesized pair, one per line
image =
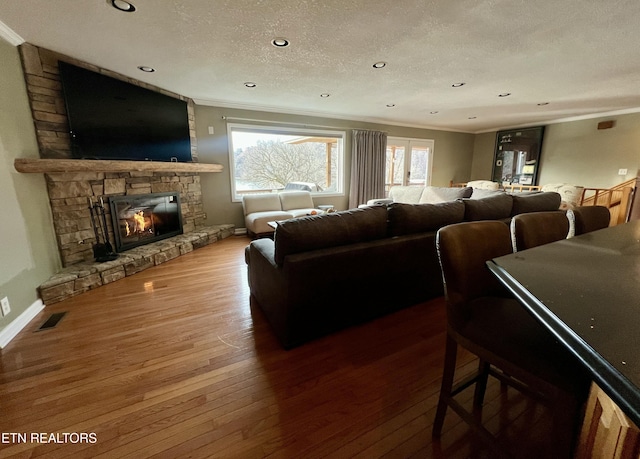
(267, 159)
(408, 162)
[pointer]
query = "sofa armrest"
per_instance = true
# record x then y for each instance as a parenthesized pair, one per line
(262, 249)
(269, 287)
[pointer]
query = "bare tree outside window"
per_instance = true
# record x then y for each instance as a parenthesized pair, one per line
(267, 162)
(272, 164)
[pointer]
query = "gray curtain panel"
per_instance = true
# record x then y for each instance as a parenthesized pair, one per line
(367, 166)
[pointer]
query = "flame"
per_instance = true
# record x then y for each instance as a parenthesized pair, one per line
(138, 217)
(128, 230)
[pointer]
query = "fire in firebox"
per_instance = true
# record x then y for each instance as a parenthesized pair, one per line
(140, 219)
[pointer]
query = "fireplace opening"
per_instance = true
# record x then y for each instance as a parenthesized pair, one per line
(141, 219)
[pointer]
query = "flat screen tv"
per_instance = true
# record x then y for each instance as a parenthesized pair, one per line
(112, 119)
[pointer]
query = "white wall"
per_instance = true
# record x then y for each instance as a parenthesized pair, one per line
(577, 152)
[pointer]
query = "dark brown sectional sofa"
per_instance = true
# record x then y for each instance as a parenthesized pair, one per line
(323, 273)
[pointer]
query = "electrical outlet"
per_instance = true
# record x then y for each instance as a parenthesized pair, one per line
(622, 172)
(6, 307)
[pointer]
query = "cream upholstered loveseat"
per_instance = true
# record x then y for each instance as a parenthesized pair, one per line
(260, 209)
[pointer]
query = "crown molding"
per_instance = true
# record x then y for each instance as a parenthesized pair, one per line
(9, 35)
(568, 119)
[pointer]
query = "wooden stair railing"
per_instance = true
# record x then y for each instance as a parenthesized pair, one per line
(617, 199)
(518, 188)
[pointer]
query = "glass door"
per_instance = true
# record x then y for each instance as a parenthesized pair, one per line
(408, 162)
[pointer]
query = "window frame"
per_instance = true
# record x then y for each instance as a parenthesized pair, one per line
(283, 129)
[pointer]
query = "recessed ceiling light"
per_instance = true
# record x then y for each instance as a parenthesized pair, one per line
(457, 85)
(325, 95)
(250, 84)
(123, 6)
(504, 94)
(144, 68)
(379, 65)
(543, 103)
(280, 42)
(391, 105)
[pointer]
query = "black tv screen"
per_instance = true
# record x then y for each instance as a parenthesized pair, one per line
(112, 119)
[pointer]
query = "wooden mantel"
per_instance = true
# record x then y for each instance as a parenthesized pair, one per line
(28, 165)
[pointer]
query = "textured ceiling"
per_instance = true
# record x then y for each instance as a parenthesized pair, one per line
(579, 56)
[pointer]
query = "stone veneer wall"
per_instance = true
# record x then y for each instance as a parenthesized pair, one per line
(69, 192)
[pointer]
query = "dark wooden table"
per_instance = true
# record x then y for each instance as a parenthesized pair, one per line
(586, 291)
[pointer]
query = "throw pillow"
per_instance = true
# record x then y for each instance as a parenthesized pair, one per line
(496, 207)
(570, 195)
(418, 218)
(436, 194)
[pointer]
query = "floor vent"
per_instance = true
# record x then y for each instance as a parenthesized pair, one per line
(52, 321)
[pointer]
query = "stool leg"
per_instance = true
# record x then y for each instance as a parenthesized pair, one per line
(481, 385)
(450, 356)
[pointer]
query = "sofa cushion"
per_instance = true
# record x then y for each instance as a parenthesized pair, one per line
(496, 207)
(260, 203)
(258, 222)
(333, 229)
(418, 218)
(406, 194)
(296, 200)
(436, 194)
(535, 202)
(479, 193)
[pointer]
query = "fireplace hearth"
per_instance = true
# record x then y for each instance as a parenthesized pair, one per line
(141, 219)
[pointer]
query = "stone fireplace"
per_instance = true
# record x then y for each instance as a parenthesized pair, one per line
(69, 195)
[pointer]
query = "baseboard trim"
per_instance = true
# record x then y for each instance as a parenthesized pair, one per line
(11, 331)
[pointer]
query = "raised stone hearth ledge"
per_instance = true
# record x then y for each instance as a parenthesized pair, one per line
(32, 165)
(86, 276)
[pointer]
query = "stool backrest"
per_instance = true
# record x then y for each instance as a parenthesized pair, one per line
(536, 228)
(590, 218)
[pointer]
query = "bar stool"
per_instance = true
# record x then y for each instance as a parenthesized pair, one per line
(511, 345)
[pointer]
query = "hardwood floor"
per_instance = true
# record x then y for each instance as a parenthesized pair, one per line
(174, 362)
